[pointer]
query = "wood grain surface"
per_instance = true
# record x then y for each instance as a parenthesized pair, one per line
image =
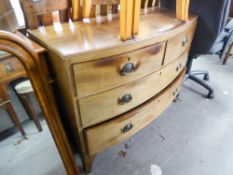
(110, 133)
(103, 106)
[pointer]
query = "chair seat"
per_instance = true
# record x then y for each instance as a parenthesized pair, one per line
(24, 87)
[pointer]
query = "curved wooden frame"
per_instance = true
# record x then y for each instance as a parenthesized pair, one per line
(30, 60)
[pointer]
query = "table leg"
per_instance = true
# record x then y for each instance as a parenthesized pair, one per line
(27, 103)
(9, 108)
(14, 118)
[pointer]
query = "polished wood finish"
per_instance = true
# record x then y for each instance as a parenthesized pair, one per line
(30, 60)
(87, 63)
(37, 13)
(150, 87)
(88, 43)
(109, 71)
(110, 133)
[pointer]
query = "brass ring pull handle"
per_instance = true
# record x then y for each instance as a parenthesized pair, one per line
(125, 99)
(127, 68)
(127, 128)
(184, 41)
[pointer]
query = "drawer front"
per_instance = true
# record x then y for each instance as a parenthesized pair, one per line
(178, 45)
(115, 131)
(101, 107)
(100, 75)
(10, 68)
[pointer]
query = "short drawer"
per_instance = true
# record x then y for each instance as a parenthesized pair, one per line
(177, 46)
(101, 107)
(115, 131)
(106, 73)
(10, 67)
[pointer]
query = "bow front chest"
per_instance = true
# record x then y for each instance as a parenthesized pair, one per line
(108, 90)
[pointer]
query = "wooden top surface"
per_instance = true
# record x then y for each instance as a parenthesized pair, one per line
(84, 39)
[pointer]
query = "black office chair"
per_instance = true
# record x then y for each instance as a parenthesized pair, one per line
(212, 18)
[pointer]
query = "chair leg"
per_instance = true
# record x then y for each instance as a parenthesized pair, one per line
(27, 103)
(14, 118)
(202, 83)
(227, 54)
(201, 72)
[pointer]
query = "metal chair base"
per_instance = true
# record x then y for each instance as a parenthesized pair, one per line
(192, 76)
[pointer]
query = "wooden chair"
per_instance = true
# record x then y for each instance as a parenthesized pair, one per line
(41, 12)
(129, 14)
(44, 12)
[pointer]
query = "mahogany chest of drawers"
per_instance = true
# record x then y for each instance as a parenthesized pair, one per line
(108, 90)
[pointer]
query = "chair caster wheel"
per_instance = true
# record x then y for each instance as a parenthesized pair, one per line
(210, 95)
(206, 77)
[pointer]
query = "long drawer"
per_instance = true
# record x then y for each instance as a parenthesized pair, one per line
(101, 107)
(115, 131)
(178, 45)
(103, 74)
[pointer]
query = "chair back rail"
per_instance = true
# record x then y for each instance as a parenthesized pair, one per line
(93, 8)
(40, 12)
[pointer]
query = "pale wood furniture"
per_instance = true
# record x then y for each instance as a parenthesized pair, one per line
(41, 12)
(37, 73)
(108, 89)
